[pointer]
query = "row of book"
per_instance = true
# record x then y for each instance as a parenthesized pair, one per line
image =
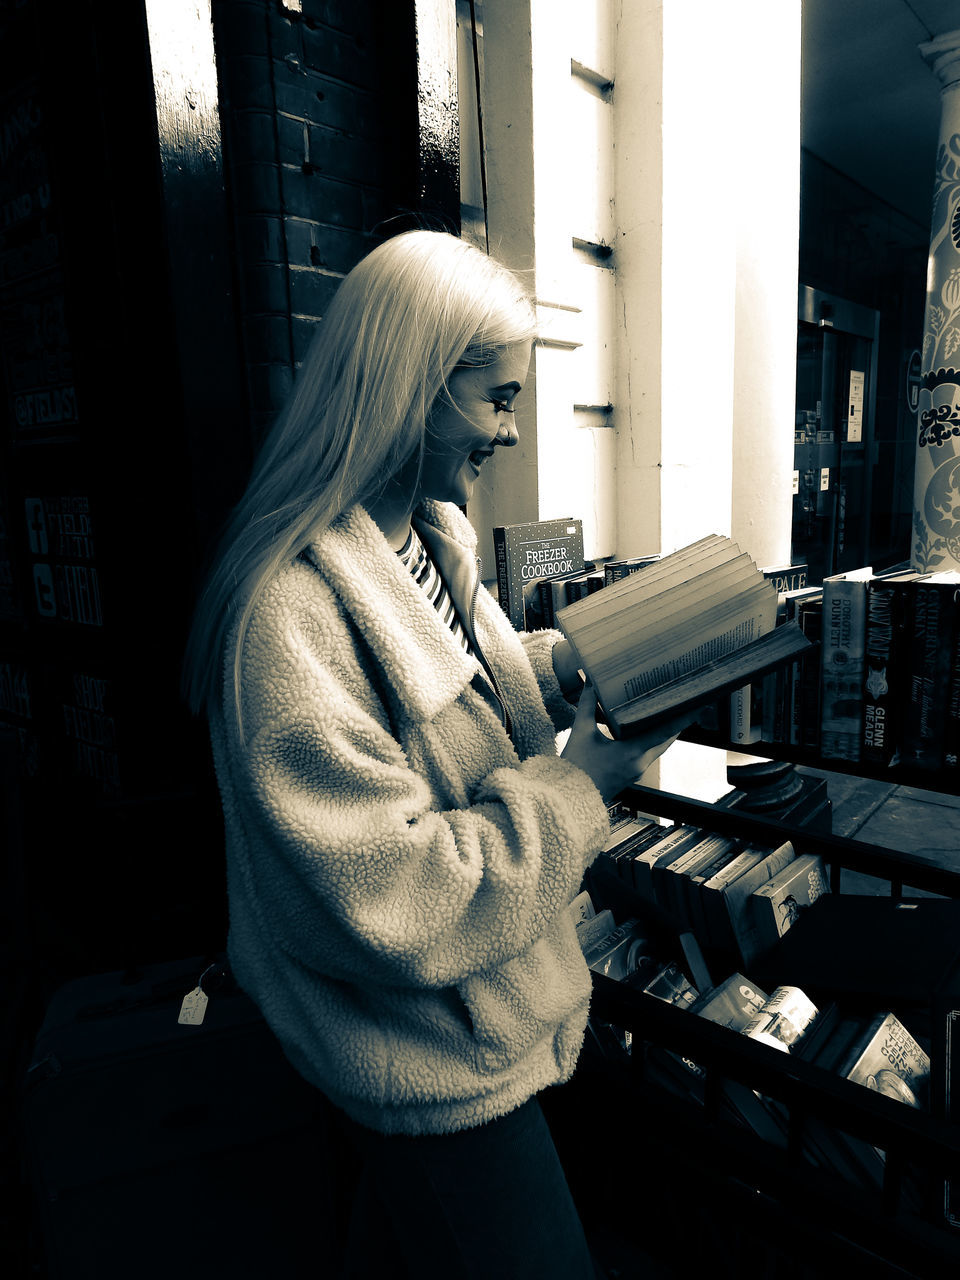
(866, 987)
(541, 569)
(665, 634)
(885, 688)
(736, 897)
(874, 1048)
(864, 667)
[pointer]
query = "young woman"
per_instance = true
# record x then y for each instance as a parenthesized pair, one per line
(403, 839)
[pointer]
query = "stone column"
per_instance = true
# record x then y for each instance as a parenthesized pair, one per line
(936, 494)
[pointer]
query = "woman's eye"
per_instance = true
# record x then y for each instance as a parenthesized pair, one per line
(501, 406)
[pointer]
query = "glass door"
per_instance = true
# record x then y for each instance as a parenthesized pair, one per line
(834, 433)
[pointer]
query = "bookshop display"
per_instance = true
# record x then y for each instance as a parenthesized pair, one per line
(862, 669)
(747, 935)
(803, 1036)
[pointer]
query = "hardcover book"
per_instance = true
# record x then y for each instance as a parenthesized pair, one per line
(810, 622)
(581, 908)
(929, 657)
(593, 928)
(887, 636)
(783, 1018)
(885, 1057)
(673, 841)
(527, 553)
(618, 953)
(614, 570)
(742, 932)
(622, 854)
(626, 830)
(676, 874)
(792, 601)
(664, 980)
(556, 591)
(694, 882)
(746, 715)
(776, 905)
(712, 912)
(787, 577)
(951, 732)
(775, 696)
(679, 633)
(734, 1003)
(842, 658)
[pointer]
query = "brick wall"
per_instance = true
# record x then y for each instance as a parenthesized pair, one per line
(317, 111)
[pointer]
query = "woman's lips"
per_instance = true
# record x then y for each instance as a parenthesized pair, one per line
(478, 457)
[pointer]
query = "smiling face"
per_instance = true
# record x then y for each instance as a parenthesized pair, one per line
(466, 425)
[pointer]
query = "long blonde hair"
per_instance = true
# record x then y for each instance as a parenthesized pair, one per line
(409, 313)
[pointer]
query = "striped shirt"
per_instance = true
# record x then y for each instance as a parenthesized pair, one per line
(418, 560)
(414, 555)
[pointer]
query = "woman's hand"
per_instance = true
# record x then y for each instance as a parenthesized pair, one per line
(566, 670)
(614, 764)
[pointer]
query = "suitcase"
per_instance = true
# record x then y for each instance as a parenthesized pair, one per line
(156, 1149)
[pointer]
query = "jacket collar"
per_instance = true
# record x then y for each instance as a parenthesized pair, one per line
(421, 659)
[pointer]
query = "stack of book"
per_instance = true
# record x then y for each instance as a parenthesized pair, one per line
(864, 667)
(884, 688)
(736, 898)
(541, 568)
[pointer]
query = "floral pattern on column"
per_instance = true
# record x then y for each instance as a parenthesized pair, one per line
(936, 495)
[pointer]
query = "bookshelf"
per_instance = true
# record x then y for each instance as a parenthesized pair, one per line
(751, 1192)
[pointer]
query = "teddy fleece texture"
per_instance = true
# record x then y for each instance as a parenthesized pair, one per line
(399, 868)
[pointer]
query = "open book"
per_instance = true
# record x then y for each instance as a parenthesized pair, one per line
(679, 633)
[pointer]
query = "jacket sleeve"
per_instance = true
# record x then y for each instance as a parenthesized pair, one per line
(357, 872)
(538, 646)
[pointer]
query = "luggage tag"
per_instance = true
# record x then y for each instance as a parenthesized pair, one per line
(194, 1006)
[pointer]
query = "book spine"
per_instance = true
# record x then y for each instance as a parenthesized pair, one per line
(715, 922)
(841, 669)
(795, 702)
(546, 611)
(951, 732)
(511, 603)
(621, 857)
(776, 706)
(945, 1088)
(743, 724)
(643, 862)
(930, 652)
(675, 873)
(811, 624)
(736, 901)
(693, 889)
(885, 635)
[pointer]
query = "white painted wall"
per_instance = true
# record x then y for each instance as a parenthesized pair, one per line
(707, 200)
(689, 169)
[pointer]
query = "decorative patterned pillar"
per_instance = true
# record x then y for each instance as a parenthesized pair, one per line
(936, 495)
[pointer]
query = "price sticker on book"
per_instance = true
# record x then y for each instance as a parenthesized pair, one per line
(824, 479)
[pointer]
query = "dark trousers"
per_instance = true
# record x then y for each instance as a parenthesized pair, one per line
(489, 1203)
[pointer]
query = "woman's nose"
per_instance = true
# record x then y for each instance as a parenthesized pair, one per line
(508, 435)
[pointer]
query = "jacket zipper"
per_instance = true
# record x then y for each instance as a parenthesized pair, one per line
(488, 670)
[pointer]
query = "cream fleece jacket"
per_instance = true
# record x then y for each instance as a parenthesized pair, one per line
(398, 868)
